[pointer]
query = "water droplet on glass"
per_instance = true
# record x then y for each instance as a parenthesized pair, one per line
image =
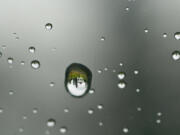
(66, 110)
(125, 130)
(137, 90)
(176, 55)
(63, 130)
(159, 114)
(136, 72)
(32, 49)
(24, 117)
(100, 124)
(11, 92)
(90, 111)
(22, 63)
(51, 84)
(35, 64)
(21, 130)
(122, 84)
(100, 106)
(17, 38)
(121, 64)
(10, 60)
(35, 111)
(1, 110)
(91, 91)
(78, 80)
(127, 8)
(146, 30)
(121, 75)
(51, 123)
(158, 121)
(177, 35)
(48, 26)
(105, 69)
(113, 70)
(103, 38)
(139, 109)
(164, 35)
(99, 71)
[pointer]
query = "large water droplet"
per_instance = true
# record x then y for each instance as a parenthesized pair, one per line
(177, 35)
(35, 64)
(78, 80)
(32, 49)
(51, 123)
(48, 26)
(176, 55)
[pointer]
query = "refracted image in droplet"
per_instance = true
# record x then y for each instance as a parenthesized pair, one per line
(78, 80)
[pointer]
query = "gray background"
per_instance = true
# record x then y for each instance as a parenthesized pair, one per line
(77, 28)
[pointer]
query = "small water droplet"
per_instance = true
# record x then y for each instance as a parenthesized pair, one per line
(35, 64)
(1, 110)
(127, 8)
(105, 69)
(66, 110)
(100, 124)
(121, 75)
(90, 111)
(24, 117)
(78, 80)
(164, 35)
(35, 111)
(91, 91)
(32, 49)
(51, 123)
(103, 38)
(125, 130)
(63, 130)
(21, 130)
(48, 26)
(114, 71)
(136, 72)
(11, 92)
(137, 90)
(158, 121)
(121, 64)
(17, 38)
(177, 35)
(10, 60)
(176, 55)
(100, 106)
(122, 84)
(146, 30)
(159, 114)
(52, 84)
(22, 63)
(139, 109)
(99, 71)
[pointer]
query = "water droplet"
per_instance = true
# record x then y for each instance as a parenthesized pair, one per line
(100, 124)
(121, 75)
(164, 35)
(136, 72)
(24, 117)
(66, 110)
(1, 110)
(100, 106)
(51, 123)
(21, 130)
(91, 91)
(127, 8)
(10, 60)
(158, 121)
(48, 26)
(11, 92)
(122, 84)
(159, 114)
(32, 49)
(17, 38)
(78, 80)
(90, 111)
(105, 69)
(121, 64)
(35, 111)
(139, 109)
(103, 38)
(99, 71)
(125, 130)
(177, 35)
(51, 84)
(137, 90)
(22, 63)
(146, 30)
(176, 55)
(113, 70)
(35, 64)
(63, 130)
